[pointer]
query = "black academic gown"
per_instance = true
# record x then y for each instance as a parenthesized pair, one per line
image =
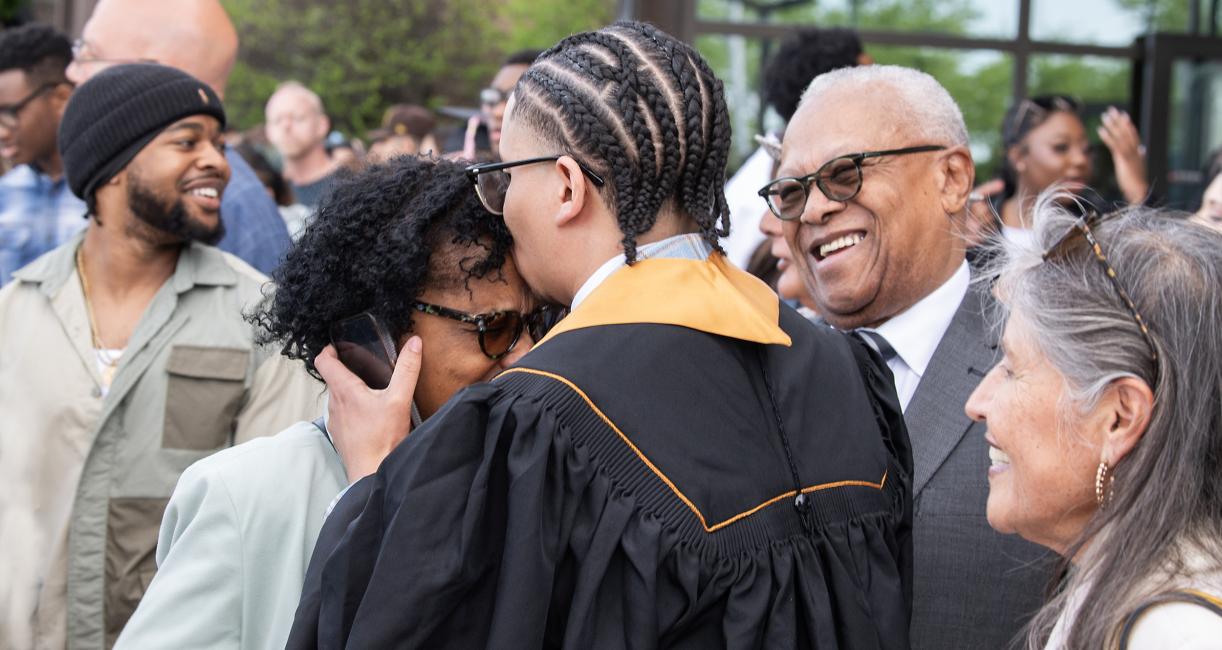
(632, 484)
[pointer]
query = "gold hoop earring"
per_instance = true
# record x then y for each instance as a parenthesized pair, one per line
(1104, 484)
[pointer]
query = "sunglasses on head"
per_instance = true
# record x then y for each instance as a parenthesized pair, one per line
(1081, 231)
(499, 331)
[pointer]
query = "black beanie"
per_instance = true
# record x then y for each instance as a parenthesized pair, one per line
(111, 117)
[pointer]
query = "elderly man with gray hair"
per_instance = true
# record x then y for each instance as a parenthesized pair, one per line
(873, 184)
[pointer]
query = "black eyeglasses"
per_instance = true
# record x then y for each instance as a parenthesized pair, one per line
(491, 182)
(839, 179)
(11, 114)
(1083, 228)
(499, 331)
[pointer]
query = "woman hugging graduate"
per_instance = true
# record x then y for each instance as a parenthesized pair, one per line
(682, 462)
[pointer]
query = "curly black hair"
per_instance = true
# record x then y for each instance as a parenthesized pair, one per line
(39, 51)
(379, 238)
(806, 55)
(643, 109)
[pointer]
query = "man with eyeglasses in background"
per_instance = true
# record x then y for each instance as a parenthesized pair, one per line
(197, 37)
(37, 209)
(872, 188)
(483, 136)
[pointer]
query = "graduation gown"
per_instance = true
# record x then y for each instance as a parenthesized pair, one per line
(634, 482)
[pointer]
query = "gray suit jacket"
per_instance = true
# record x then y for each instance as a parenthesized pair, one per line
(972, 587)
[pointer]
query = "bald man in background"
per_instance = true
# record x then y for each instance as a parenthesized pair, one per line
(297, 127)
(195, 36)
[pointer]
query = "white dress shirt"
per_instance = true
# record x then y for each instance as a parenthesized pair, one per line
(916, 332)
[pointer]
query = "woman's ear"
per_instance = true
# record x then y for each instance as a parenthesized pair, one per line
(1128, 408)
(1017, 155)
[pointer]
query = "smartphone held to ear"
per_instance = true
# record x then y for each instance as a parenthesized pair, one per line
(365, 346)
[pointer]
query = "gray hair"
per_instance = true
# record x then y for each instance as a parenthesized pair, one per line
(924, 104)
(1167, 497)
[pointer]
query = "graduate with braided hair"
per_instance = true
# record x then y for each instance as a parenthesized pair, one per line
(682, 462)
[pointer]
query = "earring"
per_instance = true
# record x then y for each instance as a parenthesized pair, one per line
(1104, 484)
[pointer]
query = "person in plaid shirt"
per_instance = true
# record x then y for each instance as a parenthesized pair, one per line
(37, 210)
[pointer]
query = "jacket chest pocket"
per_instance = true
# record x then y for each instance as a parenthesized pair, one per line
(204, 392)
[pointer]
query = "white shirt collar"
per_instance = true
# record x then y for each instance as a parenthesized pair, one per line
(687, 246)
(916, 332)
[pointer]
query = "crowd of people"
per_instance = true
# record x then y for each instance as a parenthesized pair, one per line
(893, 407)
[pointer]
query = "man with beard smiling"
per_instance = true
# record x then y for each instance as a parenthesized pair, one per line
(124, 358)
(872, 188)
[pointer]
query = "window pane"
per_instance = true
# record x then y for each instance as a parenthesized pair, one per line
(737, 62)
(1195, 124)
(981, 18)
(1105, 22)
(978, 80)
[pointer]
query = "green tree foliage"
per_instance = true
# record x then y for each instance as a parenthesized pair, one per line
(362, 55)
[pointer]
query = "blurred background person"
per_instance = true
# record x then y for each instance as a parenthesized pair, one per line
(297, 127)
(239, 530)
(773, 260)
(1210, 212)
(195, 36)
(804, 56)
(295, 215)
(482, 139)
(38, 211)
(1045, 143)
(1104, 430)
(407, 129)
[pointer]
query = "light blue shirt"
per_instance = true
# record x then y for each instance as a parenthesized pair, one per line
(37, 214)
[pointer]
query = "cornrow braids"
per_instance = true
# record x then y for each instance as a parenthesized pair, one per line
(642, 125)
(644, 109)
(703, 196)
(600, 143)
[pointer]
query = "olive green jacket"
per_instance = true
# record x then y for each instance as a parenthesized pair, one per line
(87, 474)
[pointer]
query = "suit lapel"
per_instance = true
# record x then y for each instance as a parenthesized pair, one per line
(935, 417)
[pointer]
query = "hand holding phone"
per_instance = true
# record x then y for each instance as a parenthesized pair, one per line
(365, 346)
(366, 424)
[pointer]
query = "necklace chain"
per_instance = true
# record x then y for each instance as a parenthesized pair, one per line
(103, 351)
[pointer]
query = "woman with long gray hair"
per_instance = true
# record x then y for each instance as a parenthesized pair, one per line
(1105, 424)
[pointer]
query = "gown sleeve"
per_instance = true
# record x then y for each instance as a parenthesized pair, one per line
(427, 560)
